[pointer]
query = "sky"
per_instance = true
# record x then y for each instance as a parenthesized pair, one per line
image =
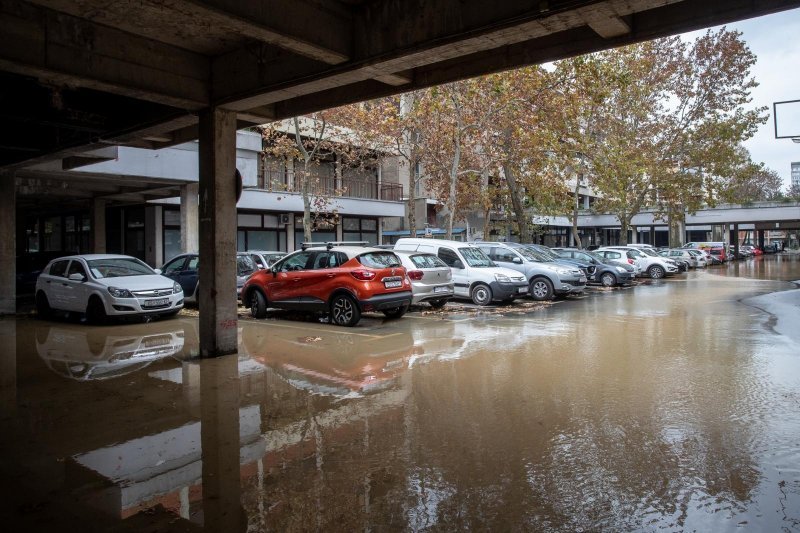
(773, 39)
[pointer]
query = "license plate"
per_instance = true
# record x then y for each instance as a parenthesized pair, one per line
(440, 289)
(392, 284)
(583, 279)
(155, 303)
(522, 290)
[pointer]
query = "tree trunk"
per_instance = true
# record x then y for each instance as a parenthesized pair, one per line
(625, 224)
(451, 201)
(575, 208)
(306, 202)
(516, 203)
(412, 203)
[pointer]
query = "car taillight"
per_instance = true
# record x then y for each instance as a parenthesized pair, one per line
(415, 275)
(363, 275)
(631, 261)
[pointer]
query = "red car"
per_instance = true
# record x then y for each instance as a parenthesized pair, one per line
(340, 279)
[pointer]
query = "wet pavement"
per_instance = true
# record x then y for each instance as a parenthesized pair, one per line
(673, 405)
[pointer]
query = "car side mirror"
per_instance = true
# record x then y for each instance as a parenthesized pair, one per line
(458, 264)
(274, 271)
(157, 271)
(517, 261)
(77, 277)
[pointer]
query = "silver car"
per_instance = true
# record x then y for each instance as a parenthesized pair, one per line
(265, 258)
(431, 278)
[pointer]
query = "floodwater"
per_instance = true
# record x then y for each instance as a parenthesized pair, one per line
(670, 406)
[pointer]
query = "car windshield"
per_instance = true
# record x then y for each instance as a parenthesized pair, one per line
(118, 267)
(379, 260)
(547, 253)
(475, 257)
(649, 252)
(245, 265)
(427, 261)
(596, 257)
(530, 254)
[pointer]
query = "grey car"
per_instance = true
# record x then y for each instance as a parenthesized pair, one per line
(265, 258)
(546, 278)
(431, 278)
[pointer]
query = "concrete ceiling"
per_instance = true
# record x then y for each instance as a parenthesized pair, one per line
(79, 75)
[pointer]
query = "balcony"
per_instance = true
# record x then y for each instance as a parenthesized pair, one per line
(326, 185)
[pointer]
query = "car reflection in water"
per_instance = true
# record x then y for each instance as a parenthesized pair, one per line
(334, 364)
(82, 354)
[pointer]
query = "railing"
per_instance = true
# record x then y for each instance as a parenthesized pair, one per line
(284, 181)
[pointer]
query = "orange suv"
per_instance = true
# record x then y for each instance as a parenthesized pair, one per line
(339, 278)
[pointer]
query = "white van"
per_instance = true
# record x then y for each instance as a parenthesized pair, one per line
(475, 276)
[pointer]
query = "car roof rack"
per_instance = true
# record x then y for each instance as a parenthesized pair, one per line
(331, 244)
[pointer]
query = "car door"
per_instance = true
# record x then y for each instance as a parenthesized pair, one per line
(76, 293)
(173, 269)
(190, 275)
(460, 275)
(285, 285)
(53, 283)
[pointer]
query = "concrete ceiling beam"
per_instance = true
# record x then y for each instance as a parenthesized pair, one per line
(316, 30)
(69, 51)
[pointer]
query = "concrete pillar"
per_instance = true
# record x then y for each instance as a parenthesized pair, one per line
(634, 235)
(217, 224)
(8, 243)
(8, 368)
(189, 220)
(290, 234)
(761, 239)
(735, 240)
(99, 226)
(219, 438)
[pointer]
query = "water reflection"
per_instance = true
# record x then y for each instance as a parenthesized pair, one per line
(665, 406)
(81, 353)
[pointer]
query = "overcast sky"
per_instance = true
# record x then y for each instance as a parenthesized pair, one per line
(774, 39)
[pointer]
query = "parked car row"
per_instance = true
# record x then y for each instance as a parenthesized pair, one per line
(346, 279)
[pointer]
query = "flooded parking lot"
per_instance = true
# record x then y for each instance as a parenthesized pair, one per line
(673, 405)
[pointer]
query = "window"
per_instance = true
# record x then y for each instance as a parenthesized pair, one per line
(297, 261)
(475, 257)
(75, 267)
(118, 267)
(258, 261)
(379, 260)
(194, 263)
(327, 260)
(448, 256)
(360, 229)
(427, 261)
(174, 266)
(245, 265)
(59, 268)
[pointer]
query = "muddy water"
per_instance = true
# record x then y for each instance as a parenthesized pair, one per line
(673, 405)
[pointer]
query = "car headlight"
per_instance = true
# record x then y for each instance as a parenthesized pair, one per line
(621, 270)
(502, 278)
(563, 272)
(176, 288)
(120, 293)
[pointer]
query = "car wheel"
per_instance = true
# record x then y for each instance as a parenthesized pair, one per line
(96, 311)
(607, 279)
(481, 294)
(397, 312)
(656, 272)
(258, 304)
(437, 304)
(541, 289)
(43, 305)
(344, 311)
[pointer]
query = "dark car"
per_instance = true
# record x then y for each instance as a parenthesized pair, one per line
(586, 267)
(184, 269)
(606, 274)
(29, 266)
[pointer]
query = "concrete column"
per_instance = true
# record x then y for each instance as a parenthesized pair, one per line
(735, 240)
(219, 438)
(217, 224)
(8, 243)
(99, 226)
(634, 235)
(761, 239)
(189, 221)
(8, 368)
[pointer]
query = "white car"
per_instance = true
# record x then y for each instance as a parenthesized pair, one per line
(105, 285)
(431, 279)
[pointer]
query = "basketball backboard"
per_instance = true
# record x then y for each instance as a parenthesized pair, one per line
(787, 119)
